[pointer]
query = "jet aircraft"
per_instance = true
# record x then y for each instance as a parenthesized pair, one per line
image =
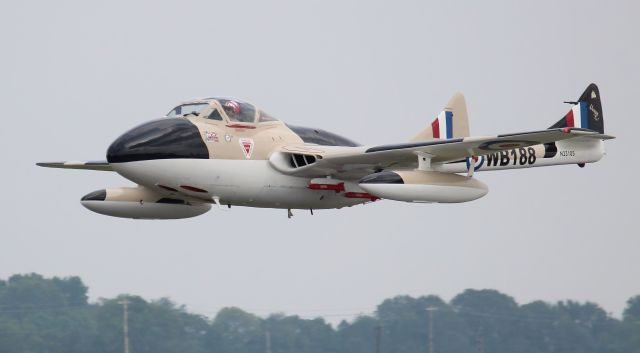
(226, 152)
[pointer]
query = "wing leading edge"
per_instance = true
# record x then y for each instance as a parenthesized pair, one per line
(92, 165)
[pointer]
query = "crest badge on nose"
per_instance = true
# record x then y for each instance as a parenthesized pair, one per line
(247, 147)
(211, 136)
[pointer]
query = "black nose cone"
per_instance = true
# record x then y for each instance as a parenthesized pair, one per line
(159, 139)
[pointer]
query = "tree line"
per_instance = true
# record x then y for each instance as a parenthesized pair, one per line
(51, 315)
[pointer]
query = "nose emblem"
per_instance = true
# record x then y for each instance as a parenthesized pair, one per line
(159, 139)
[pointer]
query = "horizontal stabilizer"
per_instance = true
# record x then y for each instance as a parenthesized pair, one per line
(93, 165)
(600, 136)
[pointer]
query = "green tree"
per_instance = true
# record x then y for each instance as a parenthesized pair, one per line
(631, 330)
(234, 330)
(405, 322)
(632, 311)
(291, 334)
(359, 336)
(492, 316)
(40, 315)
(159, 326)
(44, 315)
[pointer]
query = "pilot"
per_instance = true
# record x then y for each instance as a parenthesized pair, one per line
(232, 108)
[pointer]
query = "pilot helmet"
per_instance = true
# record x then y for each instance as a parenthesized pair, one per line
(232, 108)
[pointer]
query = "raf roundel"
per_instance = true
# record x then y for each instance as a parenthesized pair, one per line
(476, 161)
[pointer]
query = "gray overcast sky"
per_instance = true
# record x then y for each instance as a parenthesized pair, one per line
(75, 75)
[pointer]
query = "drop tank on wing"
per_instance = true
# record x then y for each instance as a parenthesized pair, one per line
(141, 203)
(423, 186)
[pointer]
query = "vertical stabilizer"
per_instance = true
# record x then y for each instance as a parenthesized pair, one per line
(452, 122)
(586, 112)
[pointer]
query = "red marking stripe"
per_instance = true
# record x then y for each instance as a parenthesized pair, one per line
(435, 126)
(569, 117)
(192, 188)
(335, 187)
(361, 195)
(168, 188)
(241, 126)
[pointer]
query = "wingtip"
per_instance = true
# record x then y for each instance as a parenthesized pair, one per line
(94, 165)
(45, 164)
(605, 136)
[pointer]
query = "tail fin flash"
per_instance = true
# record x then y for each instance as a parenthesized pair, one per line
(586, 112)
(452, 122)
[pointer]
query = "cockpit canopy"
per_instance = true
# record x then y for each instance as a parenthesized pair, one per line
(188, 109)
(217, 108)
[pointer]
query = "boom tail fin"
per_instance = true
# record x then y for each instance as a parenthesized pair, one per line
(586, 112)
(452, 122)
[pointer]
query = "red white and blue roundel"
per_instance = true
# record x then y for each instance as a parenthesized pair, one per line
(476, 161)
(578, 116)
(442, 126)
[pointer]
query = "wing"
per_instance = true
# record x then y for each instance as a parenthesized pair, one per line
(355, 162)
(93, 165)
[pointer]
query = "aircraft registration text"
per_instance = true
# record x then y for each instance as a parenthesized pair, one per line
(520, 156)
